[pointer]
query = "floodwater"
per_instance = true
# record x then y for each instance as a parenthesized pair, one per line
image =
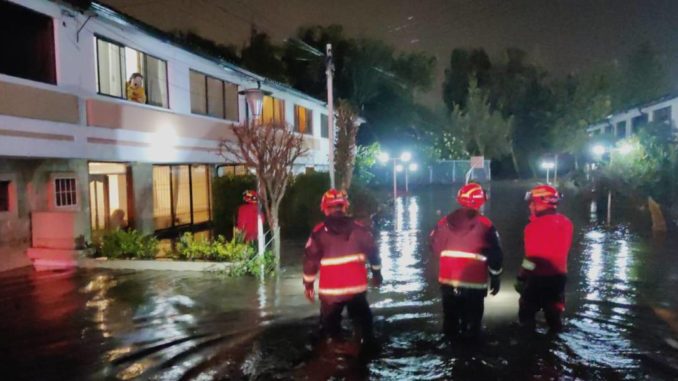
(621, 318)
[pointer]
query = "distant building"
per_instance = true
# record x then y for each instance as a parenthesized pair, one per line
(83, 150)
(625, 123)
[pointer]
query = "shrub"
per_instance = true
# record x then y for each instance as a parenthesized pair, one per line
(300, 209)
(219, 250)
(227, 196)
(255, 265)
(118, 244)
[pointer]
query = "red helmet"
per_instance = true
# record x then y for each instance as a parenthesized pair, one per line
(250, 196)
(544, 195)
(471, 196)
(333, 198)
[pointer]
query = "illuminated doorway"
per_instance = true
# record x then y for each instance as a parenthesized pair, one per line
(111, 198)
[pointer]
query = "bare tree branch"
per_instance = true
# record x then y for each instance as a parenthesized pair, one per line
(271, 150)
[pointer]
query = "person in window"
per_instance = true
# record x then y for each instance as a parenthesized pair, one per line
(135, 88)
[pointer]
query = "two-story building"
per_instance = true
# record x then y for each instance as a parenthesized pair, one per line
(625, 123)
(80, 152)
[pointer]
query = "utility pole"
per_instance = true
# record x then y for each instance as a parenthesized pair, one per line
(330, 108)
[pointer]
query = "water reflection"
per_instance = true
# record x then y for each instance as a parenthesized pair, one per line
(173, 326)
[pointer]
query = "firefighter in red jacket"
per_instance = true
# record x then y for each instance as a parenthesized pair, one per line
(466, 245)
(247, 215)
(543, 274)
(338, 249)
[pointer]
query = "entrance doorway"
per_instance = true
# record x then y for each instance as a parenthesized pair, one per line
(111, 197)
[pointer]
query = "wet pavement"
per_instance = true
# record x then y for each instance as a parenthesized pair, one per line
(622, 309)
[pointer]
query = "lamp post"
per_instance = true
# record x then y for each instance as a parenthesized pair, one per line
(255, 104)
(548, 166)
(384, 157)
(410, 168)
(599, 150)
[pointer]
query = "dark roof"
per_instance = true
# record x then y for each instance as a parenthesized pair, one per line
(91, 7)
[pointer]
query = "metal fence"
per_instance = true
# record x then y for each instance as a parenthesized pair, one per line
(455, 171)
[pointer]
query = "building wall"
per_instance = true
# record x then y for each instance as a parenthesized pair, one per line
(32, 197)
(144, 133)
(628, 115)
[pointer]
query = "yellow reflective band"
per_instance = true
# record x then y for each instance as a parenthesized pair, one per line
(342, 260)
(528, 265)
(309, 278)
(496, 272)
(462, 254)
(342, 291)
(456, 283)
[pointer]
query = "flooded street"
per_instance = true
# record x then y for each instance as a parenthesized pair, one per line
(621, 316)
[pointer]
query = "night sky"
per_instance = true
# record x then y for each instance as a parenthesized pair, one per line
(561, 35)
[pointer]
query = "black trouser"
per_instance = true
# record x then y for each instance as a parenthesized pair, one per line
(463, 310)
(358, 310)
(543, 293)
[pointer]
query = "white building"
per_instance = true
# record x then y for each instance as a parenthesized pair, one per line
(625, 123)
(77, 156)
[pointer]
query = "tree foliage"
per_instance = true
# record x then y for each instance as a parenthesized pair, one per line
(486, 131)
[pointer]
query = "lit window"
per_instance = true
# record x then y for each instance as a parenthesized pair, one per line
(65, 192)
(303, 120)
(273, 110)
(4, 196)
(127, 73)
(180, 195)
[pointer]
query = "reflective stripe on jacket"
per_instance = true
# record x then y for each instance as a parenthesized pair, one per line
(337, 251)
(467, 246)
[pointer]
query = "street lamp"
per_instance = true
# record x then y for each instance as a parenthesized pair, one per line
(548, 166)
(384, 157)
(599, 150)
(411, 168)
(255, 104)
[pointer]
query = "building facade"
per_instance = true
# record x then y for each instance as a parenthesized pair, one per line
(625, 123)
(104, 123)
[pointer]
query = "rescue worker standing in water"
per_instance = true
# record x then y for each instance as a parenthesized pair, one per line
(466, 245)
(543, 274)
(338, 249)
(247, 215)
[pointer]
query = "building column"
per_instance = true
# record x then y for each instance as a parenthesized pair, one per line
(142, 180)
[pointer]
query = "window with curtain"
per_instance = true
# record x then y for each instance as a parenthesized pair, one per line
(303, 121)
(156, 82)
(181, 195)
(110, 57)
(273, 110)
(116, 64)
(214, 97)
(198, 93)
